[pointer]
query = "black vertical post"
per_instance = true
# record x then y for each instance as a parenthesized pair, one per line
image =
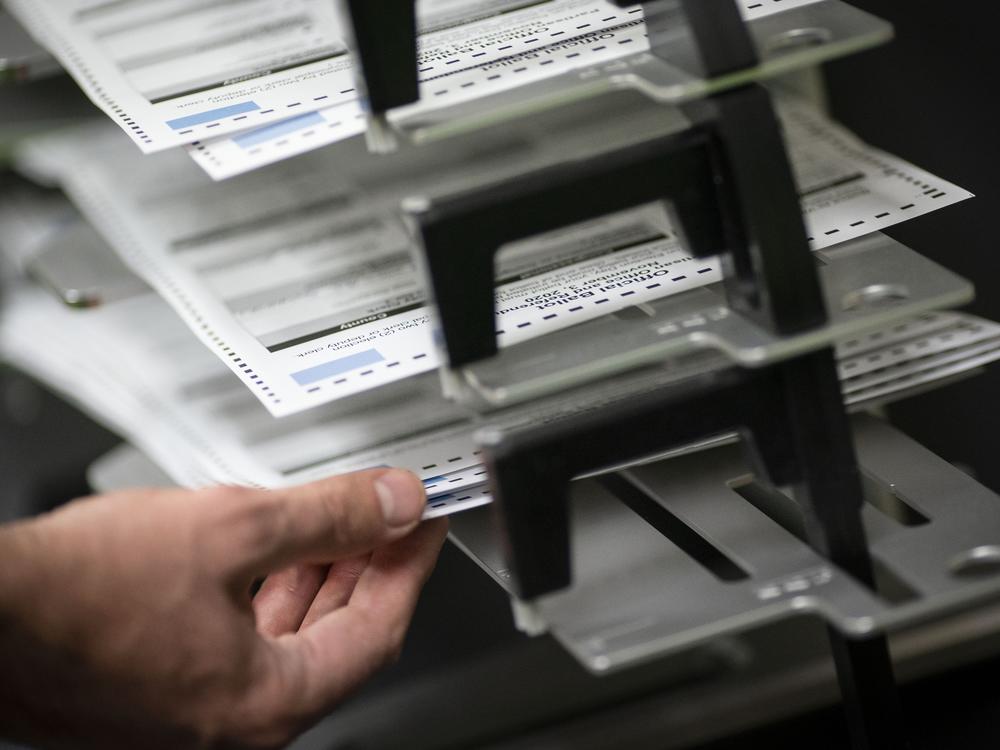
(830, 494)
(788, 300)
(384, 39)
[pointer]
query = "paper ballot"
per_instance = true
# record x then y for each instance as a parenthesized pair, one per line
(462, 64)
(308, 292)
(172, 72)
(135, 367)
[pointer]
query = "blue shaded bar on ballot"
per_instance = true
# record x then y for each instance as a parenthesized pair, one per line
(269, 132)
(212, 115)
(337, 367)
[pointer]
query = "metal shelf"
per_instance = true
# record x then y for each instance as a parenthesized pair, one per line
(868, 284)
(933, 530)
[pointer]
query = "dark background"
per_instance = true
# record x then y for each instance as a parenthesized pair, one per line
(929, 97)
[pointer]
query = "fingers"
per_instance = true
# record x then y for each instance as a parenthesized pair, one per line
(298, 596)
(285, 597)
(393, 579)
(328, 520)
(324, 662)
(336, 590)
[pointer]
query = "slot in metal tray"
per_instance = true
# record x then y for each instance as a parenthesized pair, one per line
(933, 530)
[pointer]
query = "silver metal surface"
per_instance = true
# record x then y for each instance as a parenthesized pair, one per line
(868, 284)
(21, 57)
(81, 270)
(637, 596)
(786, 42)
(125, 467)
(683, 701)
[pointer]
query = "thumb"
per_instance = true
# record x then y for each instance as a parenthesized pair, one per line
(333, 518)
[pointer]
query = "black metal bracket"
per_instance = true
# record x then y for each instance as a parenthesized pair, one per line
(788, 415)
(462, 234)
(729, 180)
(384, 40)
(531, 469)
(730, 185)
(796, 433)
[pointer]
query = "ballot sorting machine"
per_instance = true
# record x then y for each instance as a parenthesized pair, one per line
(684, 469)
(853, 523)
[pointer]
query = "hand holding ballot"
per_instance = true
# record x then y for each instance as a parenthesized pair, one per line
(128, 618)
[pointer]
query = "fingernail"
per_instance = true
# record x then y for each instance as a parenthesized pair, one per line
(401, 496)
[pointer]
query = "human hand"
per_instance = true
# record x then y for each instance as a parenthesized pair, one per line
(126, 620)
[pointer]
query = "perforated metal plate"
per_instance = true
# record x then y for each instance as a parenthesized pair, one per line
(934, 533)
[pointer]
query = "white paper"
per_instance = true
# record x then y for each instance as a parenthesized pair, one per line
(173, 72)
(933, 373)
(958, 342)
(289, 277)
(280, 275)
(135, 367)
(462, 64)
(851, 189)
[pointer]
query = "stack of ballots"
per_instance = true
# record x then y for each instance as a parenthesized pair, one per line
(276, 329)
(245, 83)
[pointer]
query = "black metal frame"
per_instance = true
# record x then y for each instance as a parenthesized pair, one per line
(731, 186)
(384, 35)
(462, 234)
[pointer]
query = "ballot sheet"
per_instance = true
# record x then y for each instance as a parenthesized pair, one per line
(135, 367)
(173, 72)
(461, 64)
(307, 289)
